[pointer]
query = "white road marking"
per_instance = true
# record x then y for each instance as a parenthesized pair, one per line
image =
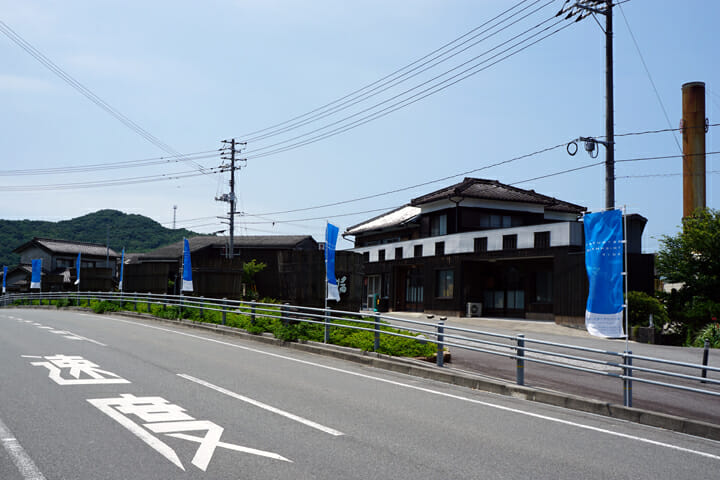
(160, 447)
(20, 458)
(427, 390)
(65, 333)
(230, 446)
(264, 406)
(30, 356)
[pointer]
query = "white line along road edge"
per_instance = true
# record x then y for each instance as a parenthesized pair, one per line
(20, 458)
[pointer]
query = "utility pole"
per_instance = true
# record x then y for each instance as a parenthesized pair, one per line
(583, 9)
(693, 132)
(174, 215)
(231, 198)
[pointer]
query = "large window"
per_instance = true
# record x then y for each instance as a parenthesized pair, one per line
(444, 284)
(480, 244)
(543, 287)
(438, 225)
(542, 239)
(509, 242)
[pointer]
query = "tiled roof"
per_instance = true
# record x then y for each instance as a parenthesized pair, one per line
(69, 248)
(493, 190)
(253, 241)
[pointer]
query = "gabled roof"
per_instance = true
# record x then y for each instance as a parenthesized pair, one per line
(398, 217)
(280, 242)
(66, 247)
(483, 189)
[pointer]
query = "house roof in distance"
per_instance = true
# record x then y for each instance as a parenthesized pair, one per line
(399, 216)
(283, 242)
(479, 188)
(66, 247)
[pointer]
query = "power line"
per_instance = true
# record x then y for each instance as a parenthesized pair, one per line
(647, 71)
(383, 85)
(383, 79)
(436, 88)
(667, 174)
(90, 95)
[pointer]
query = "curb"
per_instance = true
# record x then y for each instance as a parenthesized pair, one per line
(413, 367)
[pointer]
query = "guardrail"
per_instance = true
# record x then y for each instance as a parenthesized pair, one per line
(521, 349)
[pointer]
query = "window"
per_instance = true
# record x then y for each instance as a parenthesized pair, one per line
(543, 287)
(438, 225)
(366, 257)
(64, 262)
(516, 299)
(381, 255)
(398, 253)
(480, 244)
(509, 242)
(417, 251)
(439, 248)
(542, 239)
(444, 283)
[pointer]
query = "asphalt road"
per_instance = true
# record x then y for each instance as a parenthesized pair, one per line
(85, 396)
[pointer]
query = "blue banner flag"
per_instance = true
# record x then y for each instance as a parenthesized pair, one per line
(187, 285)
(331, 234)
(122, 269)
(77, 269)
(604, 264)
(36, 273)
(4, 279)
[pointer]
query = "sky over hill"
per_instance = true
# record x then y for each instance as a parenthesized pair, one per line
(100, 97)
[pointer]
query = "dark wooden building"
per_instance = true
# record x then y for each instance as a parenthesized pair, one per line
(294, 272)
(98, 265)
(483, 247)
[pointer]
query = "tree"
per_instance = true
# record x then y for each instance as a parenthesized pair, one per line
(692, 258)
(250, 269)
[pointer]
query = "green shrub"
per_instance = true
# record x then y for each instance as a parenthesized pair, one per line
(641, 306)
(104, 306)
(62, 303)
(711, 333)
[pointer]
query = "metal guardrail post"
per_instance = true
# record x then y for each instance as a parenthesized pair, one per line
(376, 343)
(252, 312)
(284, 313)
(627, 382)
(441, 342)
(326, 333)
(224, 310)
(202, 308)
(520, 362)
(706, 351)
(135, 301)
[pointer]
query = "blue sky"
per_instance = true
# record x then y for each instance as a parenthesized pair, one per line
(194, 73)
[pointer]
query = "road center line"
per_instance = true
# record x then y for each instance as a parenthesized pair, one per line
(264, 406)
(427, 390)
(20, 458)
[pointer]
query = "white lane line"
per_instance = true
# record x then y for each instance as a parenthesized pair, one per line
(20, 458)
(75, 336)
(433, 392)
(264, 406)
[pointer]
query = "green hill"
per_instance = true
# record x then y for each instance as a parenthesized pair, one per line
(135, 233)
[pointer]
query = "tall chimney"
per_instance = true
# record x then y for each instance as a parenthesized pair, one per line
(693, 132)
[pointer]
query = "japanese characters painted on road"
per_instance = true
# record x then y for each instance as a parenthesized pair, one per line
(75, 370)
(187, 285)
(36, 273)
(161, 417)
(604, 264)
(331, 234)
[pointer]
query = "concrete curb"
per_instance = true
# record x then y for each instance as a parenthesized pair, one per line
(415, 368)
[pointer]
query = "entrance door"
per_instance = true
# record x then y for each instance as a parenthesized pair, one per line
(414, 289)
(373, 288)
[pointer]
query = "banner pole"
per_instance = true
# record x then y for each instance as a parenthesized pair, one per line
(627, 300)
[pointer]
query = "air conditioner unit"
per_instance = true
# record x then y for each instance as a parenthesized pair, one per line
(474, 309)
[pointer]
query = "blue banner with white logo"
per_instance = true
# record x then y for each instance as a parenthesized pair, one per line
(77, 269)
(187, 284)
(4, 279)
(331, 234)
(604, 263)
(122, 269)
(36, 273)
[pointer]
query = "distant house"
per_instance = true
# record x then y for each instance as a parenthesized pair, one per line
(98, 265)
(483, 246)
(295, 270)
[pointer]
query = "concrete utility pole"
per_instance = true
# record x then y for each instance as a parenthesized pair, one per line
(231, 198)
(174, 215)
(693, 132)
(582, 9)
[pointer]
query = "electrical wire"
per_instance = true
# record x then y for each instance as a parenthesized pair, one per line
(383, 86)
(90, 95)
(431, 90)
(383, 79)
(712, 172)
